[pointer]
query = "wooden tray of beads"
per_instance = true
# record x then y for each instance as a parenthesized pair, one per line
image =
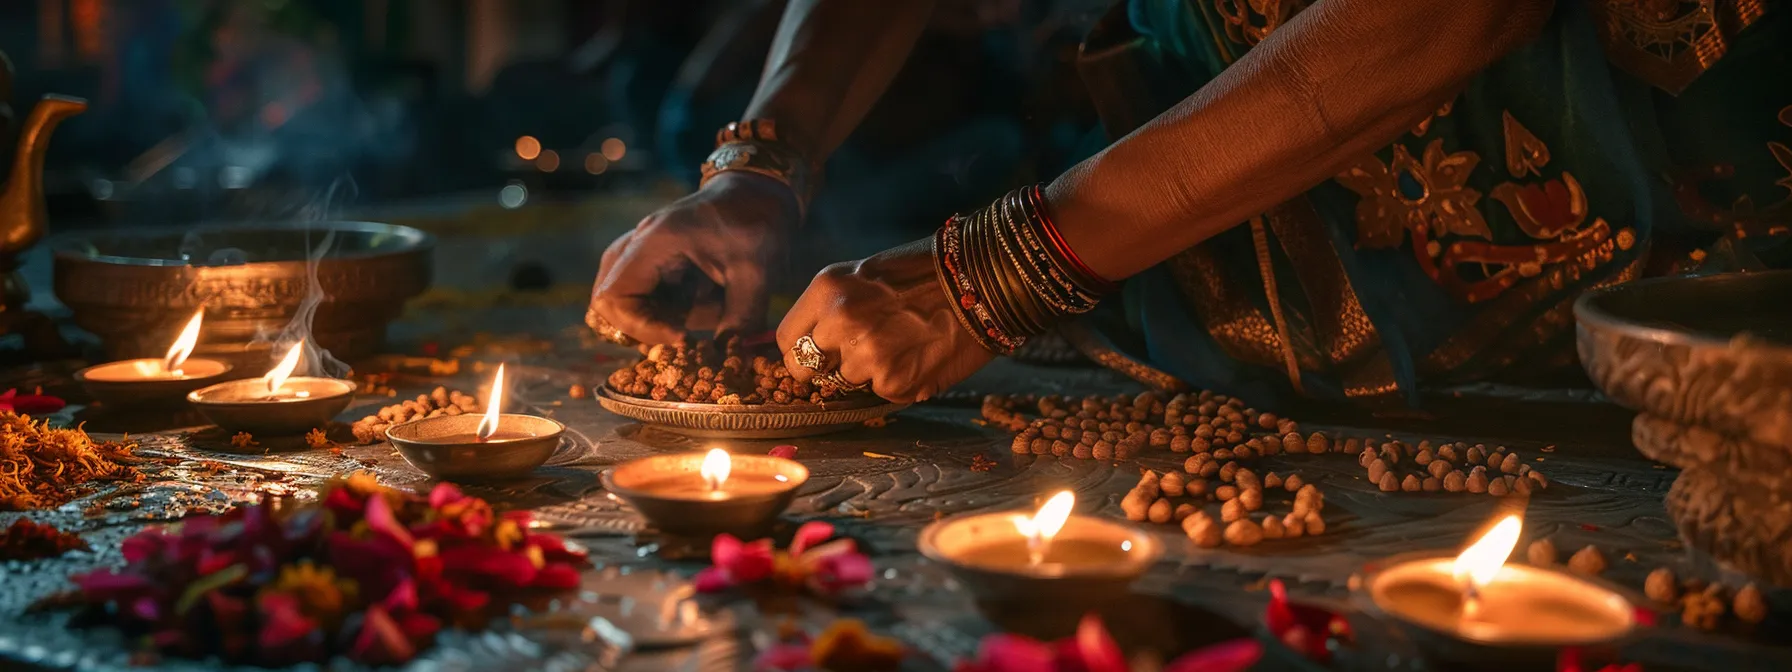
(748, 421)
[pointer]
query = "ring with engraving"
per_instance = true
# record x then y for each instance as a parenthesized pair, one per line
(810, 356)
(607, 331)
(839, 382)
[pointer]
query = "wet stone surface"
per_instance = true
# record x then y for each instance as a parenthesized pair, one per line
(880, 486)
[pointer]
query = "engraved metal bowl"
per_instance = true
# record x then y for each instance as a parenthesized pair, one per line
(237, 406)
(131, 288)
(744, 515)
(748, 421)
(1712, 351)
(421, 443)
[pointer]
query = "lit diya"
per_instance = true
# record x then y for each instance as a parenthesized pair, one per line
(492, 446)
(150, 380)
(277, 403)
(704, 494)
(1476, 607)
(1052, 562)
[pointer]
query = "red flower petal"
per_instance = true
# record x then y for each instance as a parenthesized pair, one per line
(507, 568)
(783, 658)
(787, 452)
(444, 494)
(712, 580)
(1234, 656)
(381, 519)
(1014, 653)
(841, 571)
(31, 404)
(381, 641)
(556, 576)
(744, 562)
(810, 534)
(1095, 648)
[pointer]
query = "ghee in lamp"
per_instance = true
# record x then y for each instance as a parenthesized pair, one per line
(715, 480)
(1478, 598)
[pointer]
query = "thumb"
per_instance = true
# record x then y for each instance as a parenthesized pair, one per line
(744, 300)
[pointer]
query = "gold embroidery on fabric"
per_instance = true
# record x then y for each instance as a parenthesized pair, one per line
(1425, 124)
(1669, 43)
(1238, 327)
(1342, 330)
(1273, 296)
(1408, 195)
(1091, 346)
(1743, 219)
(1249, 21)
(1525, 154)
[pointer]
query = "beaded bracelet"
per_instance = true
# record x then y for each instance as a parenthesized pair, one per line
(753, 146)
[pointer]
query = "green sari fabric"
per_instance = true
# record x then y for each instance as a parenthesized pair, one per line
(1607, 149)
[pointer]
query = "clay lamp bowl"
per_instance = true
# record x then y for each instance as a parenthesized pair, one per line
(489, 447)
(1018, 566)
(149, 381)
(278, 403)
(701, 495)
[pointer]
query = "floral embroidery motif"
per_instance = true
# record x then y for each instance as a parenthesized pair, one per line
(1247, 22)
(1743, 218)
(1669, 43)
(1428, 196)
(1428, 199)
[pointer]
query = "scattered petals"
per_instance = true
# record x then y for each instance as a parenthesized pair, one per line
(787, 452)
(1093, 649)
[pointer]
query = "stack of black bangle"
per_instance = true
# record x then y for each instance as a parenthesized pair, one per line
(1010, 274)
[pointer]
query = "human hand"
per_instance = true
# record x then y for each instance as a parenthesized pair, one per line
(663, 278)
(885, 321)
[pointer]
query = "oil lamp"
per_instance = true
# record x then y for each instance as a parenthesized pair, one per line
(1051, 562)
(150, 380)
(491, 446)
(1475, 607)
(276, 403)
(703, 494)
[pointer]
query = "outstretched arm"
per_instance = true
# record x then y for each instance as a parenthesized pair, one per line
(829, 63)
(1341, 79)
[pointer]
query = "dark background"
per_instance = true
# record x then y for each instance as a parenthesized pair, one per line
(241, 109)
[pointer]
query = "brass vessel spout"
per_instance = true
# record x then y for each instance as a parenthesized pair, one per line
(22, 201)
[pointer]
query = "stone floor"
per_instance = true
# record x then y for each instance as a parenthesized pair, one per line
(881, 485)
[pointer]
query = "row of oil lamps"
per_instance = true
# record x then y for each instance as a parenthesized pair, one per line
(1052, 559)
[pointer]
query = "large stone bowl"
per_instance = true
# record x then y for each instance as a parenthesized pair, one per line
(134, 289)
(1707, 364)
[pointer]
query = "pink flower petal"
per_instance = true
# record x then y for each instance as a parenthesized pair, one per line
(744, 562)
(381, 519)
(1234, 656)
(1014, 653)
(381, 641)
(1095, 648)
(787, 452)
(810, 534)
(839, 572)
(785, 657)
(444, 494)
(712, 580)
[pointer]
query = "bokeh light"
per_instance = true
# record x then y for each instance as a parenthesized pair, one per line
(527, 148)
(548, 162)
(614, 149)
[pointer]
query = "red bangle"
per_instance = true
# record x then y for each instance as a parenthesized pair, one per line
(1102, 284)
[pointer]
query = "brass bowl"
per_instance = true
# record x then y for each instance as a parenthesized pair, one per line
(748, 421)
(132, 288)
(239, 406)
(1712, 351)
(108, 383)
(439, 446)
(1017, 595)
(748, 516)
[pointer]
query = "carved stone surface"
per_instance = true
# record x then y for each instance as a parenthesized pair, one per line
(881, 486)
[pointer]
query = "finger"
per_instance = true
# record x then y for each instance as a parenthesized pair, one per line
(803, 318)
(744, 299)
(621, 298)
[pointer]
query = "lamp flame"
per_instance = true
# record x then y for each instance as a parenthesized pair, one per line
(277, 377)
(488, 425)
(1043, 525)
(716, 466)
(183, 346)
(1482, 560)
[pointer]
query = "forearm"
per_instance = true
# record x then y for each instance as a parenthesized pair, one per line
(1342, 79)
(829, 63)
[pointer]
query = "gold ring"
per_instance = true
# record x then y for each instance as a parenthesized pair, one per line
(810, 356)
(835, 380)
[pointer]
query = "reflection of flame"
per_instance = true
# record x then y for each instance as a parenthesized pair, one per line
(488, 425)
(1044, 525)
(183, 346)
(716, 466)
(278, 376)
(1481, 561)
